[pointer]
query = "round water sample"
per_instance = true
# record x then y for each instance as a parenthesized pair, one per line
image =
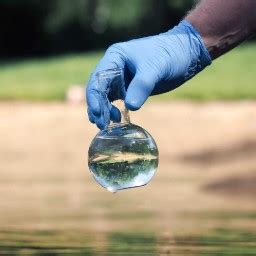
(122, 157)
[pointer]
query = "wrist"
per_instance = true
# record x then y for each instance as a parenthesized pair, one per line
(200, 28)
(223, 24)
(193, 46)
(199, 42)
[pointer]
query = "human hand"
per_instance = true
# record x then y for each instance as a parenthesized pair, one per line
(152, 65)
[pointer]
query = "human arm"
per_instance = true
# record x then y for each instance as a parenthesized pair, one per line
(223, 24)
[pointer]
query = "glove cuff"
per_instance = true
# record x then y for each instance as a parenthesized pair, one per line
(200, 57)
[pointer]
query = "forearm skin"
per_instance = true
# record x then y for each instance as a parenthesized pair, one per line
(223, 24)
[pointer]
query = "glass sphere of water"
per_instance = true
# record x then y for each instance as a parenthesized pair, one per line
(123, 155)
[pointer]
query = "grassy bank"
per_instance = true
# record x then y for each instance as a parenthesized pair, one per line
(231, 77)
(45, 79)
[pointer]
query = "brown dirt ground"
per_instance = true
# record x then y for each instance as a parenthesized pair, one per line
(207, 158)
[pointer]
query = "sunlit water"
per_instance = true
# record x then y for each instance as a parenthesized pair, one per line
(67, 242)
(74, 218)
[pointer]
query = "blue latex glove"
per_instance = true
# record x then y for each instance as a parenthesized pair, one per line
(152, 65)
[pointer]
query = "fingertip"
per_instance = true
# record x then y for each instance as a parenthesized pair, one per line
(90, 116)
(101, 124)
(132, 104)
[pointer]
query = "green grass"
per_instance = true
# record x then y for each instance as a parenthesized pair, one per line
(231, 77)
(45, 79)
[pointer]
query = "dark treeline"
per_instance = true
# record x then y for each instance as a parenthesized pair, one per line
(44, 27)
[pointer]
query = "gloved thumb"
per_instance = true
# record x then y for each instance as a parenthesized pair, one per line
(139, 90)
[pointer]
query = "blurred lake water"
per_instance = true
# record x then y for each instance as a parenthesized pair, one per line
(201, 201)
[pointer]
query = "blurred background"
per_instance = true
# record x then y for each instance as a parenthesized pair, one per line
(202, 199)
(36, 27)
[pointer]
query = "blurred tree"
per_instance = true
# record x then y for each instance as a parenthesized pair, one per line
(21, 27)
(34, 27)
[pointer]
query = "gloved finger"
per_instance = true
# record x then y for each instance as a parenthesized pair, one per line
(93, 103)
(102, 117)
(90, 116)
(100, 122)
(96, 93)
(113, 58)
(139, 90)
(115, 114)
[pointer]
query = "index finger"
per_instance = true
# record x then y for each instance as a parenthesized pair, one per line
(96, 94)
